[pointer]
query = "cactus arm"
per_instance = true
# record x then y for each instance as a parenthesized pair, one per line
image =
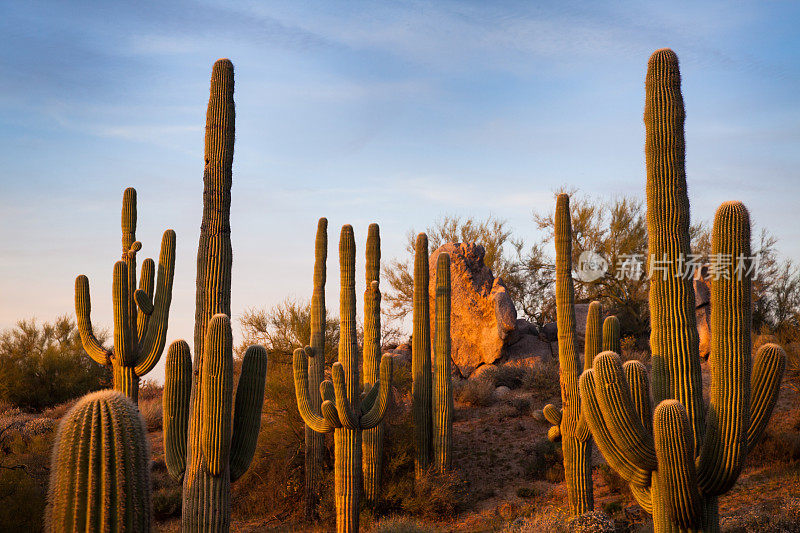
(144, 296)
(177, 390)
(728, 416)
(348, 350)
(552, 414)
(374, 416)
(313, 420)
(676, 468)
(594, 334)
(83, 309)
(639, 387)
(343, 407)
(217, 394)
(613, 453)
(768, 367)
(369, 398)
(611, 335)
(247, 410)
(330, 414)
(124, 345)
(620, 414)
(156, 335)
(643, 497)
(554, 434)
(129, 248)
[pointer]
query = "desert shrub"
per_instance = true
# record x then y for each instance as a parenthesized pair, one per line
(592, 522)
(546, 518)
(433, 496)
(527, 492)
(781, 515)
(400, 525)
(149, 389)
(477, 392)
(25, 444)
(275, 478)
(544, 462)
(166, 492)
(152, 412)
(542, 380)
(505, 375)
(42, 366)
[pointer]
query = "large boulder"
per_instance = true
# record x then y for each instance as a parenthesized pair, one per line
(482, 314)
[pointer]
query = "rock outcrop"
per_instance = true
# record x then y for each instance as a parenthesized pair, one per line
(483, 315)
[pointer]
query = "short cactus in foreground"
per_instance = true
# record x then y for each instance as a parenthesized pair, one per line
(209, 442)
(100, 471)
(680, 457)
(432, 395)
(140, 320)
(343, 410)
(568, 424)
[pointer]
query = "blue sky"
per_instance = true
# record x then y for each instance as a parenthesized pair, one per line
(395, 112)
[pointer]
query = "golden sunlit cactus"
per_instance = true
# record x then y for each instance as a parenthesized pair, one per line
(209, 440)
(315, 441)
(372, 445)
(593, 341)
(682, 456)
(140, 320)
(100, 470)
(611, 335)
(343, 410)
(442, 387)
(422, 380)
(567, 423)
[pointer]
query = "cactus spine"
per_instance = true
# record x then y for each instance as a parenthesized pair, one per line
(372, 445)
(209, 441)
(343, 410)
(680, 457)
(140, 321)
(568, 424)
(442, 392)
(100, 472)
(421, 387)
(315, 442)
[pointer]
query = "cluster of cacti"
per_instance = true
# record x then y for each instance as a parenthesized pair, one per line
(315, 442)
(432, 395)
(140, 320)
(208, 441)
(100, 470)
(568, 424)
(680, 457)
(343, 410)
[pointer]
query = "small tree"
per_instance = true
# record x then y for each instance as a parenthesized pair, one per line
(41, 366)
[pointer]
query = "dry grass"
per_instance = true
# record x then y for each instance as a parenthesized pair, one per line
(475, 392)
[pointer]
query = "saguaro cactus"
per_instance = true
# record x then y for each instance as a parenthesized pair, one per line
(611, 340)
(372, 445)
(140, 321)
(100, 472)
(568, 424)
(343, 410)
(422, 381)
(680, 457)
(442, 391)
(315, 442)
(202, 448)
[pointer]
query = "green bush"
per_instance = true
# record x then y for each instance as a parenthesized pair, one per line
(42, 366)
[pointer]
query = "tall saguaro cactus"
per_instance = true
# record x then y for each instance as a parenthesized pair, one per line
(140, 320)
(343, 410)
(214, 254)
(682, 456)
(568, 424)
(442, 388)
(100, 472)
(372, 445)
(203, 448)
(422, 381)
(315, 442)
